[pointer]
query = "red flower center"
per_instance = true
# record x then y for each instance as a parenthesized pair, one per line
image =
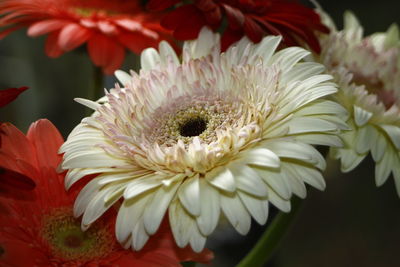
(63, 235)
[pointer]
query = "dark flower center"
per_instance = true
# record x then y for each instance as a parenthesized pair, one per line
(73, 241)
(2, 251)
(193, 127)
(63, 234)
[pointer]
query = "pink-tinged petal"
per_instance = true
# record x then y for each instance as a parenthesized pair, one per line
(46, 140)
(72, 36)
(45, 26)
(52, 48)
(8, 95)
(107, 28)
(129, 24)
(105, 53)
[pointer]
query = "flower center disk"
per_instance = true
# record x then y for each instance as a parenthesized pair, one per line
(193, 127)
(63, 234)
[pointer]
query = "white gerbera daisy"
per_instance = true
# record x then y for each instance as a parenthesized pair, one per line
(214, 132)
(368, 73)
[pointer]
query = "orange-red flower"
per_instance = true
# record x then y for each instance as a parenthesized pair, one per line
(108, 27)
(253, 18)
(42, 231)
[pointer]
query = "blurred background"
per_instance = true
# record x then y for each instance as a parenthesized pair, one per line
(352, 223)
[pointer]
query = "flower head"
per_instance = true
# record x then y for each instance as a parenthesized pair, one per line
(252, 18)
(212, 133)
(367, 70)
(44, 230)
(108, 27)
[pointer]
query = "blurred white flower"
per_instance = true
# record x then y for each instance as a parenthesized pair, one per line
(212, 132)
(367, 70)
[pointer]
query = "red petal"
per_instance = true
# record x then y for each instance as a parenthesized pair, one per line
(14, 248)
(45, 26)
(6, 32)
(193, 22)
(235, 17)
(51, 47)
(15, 147)
(46, 140)
(8, 95)
(106, 53)
(72, 36)
(253, 30)
(136, 41)
(12, 179)
(229, 37)
(158, 5)
(186, 21)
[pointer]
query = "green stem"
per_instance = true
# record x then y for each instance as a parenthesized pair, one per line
(271, 238)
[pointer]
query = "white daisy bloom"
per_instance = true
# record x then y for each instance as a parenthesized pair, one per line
(209, 134)
(367, 71)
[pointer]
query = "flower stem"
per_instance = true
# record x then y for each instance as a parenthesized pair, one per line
(271, 238)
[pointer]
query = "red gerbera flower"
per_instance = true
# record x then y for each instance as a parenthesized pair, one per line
(43, 231)
(253, 18)
(108, 27)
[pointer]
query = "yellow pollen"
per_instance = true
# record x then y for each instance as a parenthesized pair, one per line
(199, 119)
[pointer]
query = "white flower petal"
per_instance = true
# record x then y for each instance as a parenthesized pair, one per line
(384, 167)
(258, 208)
(139, 236)
(189, 195)
(130, 212)
(123, 77)
(182, 225)
(394, 133)
(149, 59)
(248, 180)
(97, 205)
(378, 147)
(361, 116)
(236, 213)
(275, 181)
(277, 201)
(88, 103)
(297, 150)
(366, 137)
(210, 208)
(157, 206)
(85, 196)
(261, 157)
(221, 178)
(141, 185)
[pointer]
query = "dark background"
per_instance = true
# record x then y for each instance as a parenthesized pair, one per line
(352, 223)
